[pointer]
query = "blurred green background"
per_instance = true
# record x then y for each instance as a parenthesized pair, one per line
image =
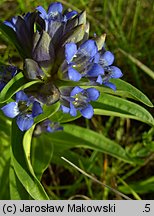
(129, 26)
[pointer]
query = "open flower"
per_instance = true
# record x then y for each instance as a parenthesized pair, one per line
(54, 18)
(106, 60)
(47, 126)
(80, 61)
(80, 99)
(24, 108)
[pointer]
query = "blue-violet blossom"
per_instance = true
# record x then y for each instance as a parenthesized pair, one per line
(80, 100)
(82, 61)
(24, 108)
(106, 60)
(47, 126)
(54, 17)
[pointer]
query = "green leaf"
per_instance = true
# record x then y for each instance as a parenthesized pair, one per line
(48, 111)
(127, 88)
(4, 158)
(4, 177)
(114, 106)
(75, 136)
(21, 168)
(63, 117)
(41, 154)
(12, 37)
(14, 85)
(17, 191)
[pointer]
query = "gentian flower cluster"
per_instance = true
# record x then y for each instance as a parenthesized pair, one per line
(55, 48)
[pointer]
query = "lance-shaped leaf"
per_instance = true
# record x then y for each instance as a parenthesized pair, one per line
(78, 137)
(16, 84)
(21, 166)
(126, 89)
(32, 71)
(115, 106)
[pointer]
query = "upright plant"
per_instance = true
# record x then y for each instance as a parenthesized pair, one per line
(65, 75)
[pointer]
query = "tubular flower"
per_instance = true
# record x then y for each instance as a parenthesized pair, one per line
(47, 126)
(81, 62)
(54, 17)
(24, 109)
(106, 60)
(80, 99)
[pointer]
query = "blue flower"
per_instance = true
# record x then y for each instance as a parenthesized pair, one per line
(6, 74)
(106, 60)
(47, 126)
(23, 26)
(80, 100)
(54, 17)
(81, 61)
(24, 109)
(12, 23)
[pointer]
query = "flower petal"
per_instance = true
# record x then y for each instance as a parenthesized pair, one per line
(99, 80)
(73, 111)
(21, 96)
(37, 109)
(70, 51)
(55, 8)
(87, 112)
(116, 72)
(25, 122)
(42, 11)
(70, 14)
(93, 94)
(96, 58)
(11, 110)
(88, 48)
(95, 70)
(49, 129)
(76, 90)
(65, 109)
(110, 85)
(73, 74)
(10, 24)
(107, 58)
